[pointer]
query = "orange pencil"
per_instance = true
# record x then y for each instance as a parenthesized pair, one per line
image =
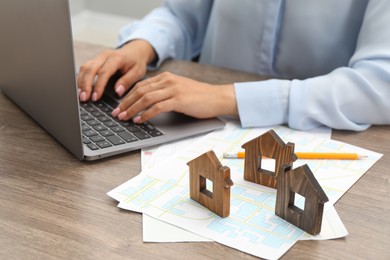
(308, 155)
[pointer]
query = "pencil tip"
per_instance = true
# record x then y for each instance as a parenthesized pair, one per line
(228, 155)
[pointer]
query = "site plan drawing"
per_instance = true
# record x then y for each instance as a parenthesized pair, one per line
(163, 193)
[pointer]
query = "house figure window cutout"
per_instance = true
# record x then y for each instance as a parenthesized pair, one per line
(295, 205)
(205, 168)
(203, 185)
(300, 181)
(268, 145)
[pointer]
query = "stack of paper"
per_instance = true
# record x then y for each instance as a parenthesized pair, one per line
(161, 191)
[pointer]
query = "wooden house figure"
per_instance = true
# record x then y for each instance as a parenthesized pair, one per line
(208, 167)
(268, 145)
(300, 181)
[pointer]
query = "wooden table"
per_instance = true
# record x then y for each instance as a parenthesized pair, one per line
(55, 206)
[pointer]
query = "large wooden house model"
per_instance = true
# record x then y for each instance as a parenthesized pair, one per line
(268, 145)
(300, 181)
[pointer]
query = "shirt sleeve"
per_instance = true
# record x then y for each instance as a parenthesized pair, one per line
(263, 103)
(175, 30)
(352, 97)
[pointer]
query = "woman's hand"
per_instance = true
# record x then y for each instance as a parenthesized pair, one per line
(168, 92)
(130, 60)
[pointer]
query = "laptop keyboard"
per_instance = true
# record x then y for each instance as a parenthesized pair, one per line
(101, 130)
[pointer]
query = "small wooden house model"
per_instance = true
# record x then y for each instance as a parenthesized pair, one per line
(300, 181)
(208, 167)
(268, 145)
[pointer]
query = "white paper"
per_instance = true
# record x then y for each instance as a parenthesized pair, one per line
(162, 192)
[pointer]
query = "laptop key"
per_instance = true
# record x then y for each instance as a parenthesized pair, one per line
(126, 123)
(115, 140)
(87, 117)
(93, 146)
(133, 129)
(146, 126)
(154, 132)
(117, 129)
(110, 123)
(106, 133)
(99, 127)
(93, 122)
(127, 137)
(141, 135)
(89, 108)
(82, 112)
(97, 138)
(105, 109)
(104, 144)
(85, 127)
(86, 140)
(97, 114)
(150, 129)
(90, 133)
(104, 119)
(102, 106)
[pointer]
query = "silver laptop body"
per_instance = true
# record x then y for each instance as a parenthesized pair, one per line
(38, 73)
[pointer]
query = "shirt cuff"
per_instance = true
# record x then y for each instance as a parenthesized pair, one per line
(263, 103)
(158, 40)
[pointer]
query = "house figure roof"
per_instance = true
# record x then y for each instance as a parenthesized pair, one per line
(271, 146)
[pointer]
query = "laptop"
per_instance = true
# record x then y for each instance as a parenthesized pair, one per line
(38, 73)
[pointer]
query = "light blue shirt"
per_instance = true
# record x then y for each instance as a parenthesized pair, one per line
(331, 58)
